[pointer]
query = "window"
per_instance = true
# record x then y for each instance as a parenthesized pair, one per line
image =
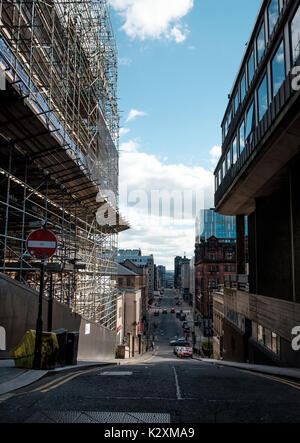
(262, 97)
(268, 338)
(220, 176)
(295, 36)
(275, 343)
(228, 122)
(228, 255)
(234, 151)
(228, 159)
(224, 168)
(236, 102)
(254, 330)
(242, 137)
(250, 121)
(273, 14)
(251, 68)
(261, 43)
(278, 69)
(260, 335)
(243, 88)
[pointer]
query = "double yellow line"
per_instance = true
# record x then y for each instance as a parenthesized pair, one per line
(62, 380)
(290, 383)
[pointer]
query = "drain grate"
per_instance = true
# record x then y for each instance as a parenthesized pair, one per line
(54, 416)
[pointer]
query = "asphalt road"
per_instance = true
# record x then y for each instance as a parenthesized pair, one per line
(163, 389)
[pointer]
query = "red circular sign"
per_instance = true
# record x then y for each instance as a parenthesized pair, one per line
(41, 244)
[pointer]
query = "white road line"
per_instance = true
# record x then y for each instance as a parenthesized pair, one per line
(177, 385)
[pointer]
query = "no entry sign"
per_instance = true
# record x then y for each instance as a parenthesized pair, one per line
(41, 244)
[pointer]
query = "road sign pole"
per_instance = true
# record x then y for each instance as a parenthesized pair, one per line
(50, 304)
(39, 324)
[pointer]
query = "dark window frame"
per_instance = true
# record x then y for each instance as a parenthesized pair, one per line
(265, 75)
(293, 63)
(252, 56)
(268, 16)
(262, 26)
(281, 41)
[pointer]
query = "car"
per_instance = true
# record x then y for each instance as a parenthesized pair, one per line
(172, 311)
(184, 352)
(177, 350)
(179, 342)
(165, 311)
(156, 313)
(187, 330)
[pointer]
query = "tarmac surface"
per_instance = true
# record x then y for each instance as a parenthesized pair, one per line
(154, 388)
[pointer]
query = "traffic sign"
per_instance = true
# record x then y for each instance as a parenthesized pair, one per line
(41, 244)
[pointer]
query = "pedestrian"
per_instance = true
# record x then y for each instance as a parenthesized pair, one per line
(152, 346)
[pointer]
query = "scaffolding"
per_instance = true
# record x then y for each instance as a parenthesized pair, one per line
(59, 131)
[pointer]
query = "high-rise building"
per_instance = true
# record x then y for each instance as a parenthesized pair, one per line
(209, 223)
(161, 271)
(177, 271)
(258, 177)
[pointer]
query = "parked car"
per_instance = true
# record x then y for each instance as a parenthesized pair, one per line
(165, 311)
(177, 350)
(179, 342)
(172, 311)
(185, 352)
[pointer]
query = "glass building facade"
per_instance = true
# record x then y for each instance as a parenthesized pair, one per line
(209, 223)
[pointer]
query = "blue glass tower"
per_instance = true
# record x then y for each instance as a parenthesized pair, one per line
(209, 223)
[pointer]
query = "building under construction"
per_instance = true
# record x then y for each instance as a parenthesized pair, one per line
(59, 129)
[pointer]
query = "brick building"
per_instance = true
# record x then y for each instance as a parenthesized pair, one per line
(214, 259)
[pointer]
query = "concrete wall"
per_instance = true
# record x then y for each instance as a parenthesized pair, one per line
(18, 314)
(234, 343)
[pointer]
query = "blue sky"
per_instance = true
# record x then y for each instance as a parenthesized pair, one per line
(177, 63)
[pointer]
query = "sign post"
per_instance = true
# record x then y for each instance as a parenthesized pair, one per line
(41, 244)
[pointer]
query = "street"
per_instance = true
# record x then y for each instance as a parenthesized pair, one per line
(163, 389)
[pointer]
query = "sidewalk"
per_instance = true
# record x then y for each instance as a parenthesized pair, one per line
(12, 378)
(273, 370)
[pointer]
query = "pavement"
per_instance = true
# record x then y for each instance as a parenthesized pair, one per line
(12, 378)
(274, 370)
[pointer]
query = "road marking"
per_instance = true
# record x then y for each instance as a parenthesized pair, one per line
(62, 382)
(6, 397)
(280, 380)
(177, 385)
(118, 373)
(50, 383)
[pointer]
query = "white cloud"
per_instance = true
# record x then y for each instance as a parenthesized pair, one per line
(123, 131)
(125, 61)
(153, 19)
(135, 113)
(129, 147)
(215, 154)
(165, 229)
